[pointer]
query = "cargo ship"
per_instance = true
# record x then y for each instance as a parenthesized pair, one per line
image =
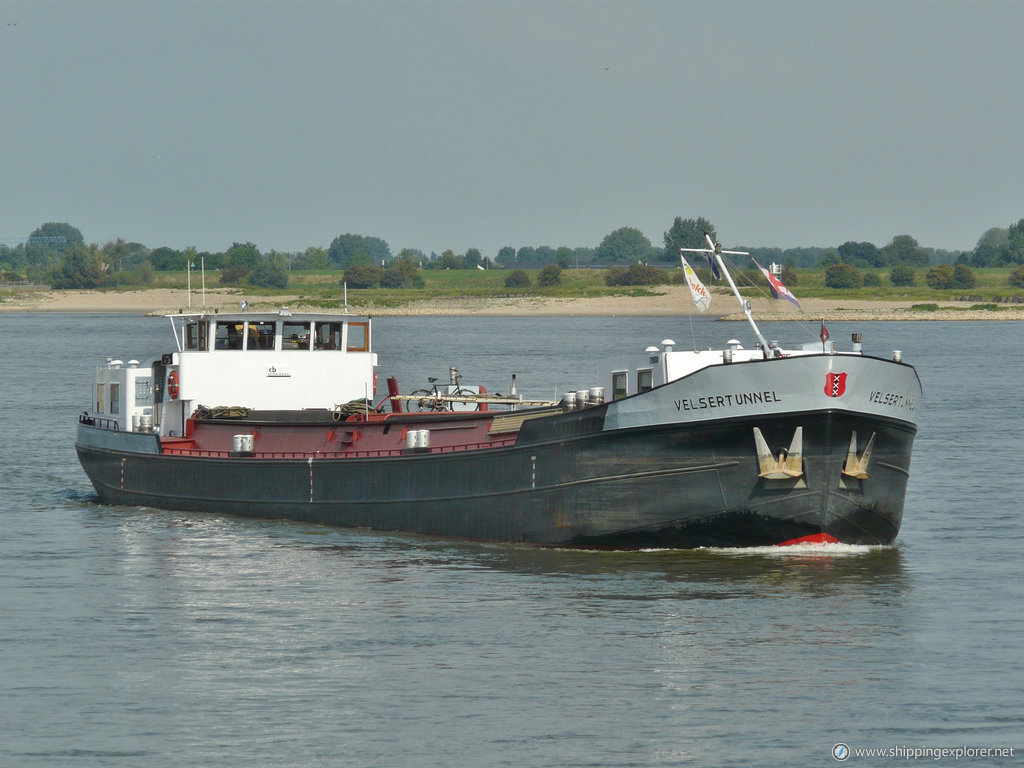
(278, 415)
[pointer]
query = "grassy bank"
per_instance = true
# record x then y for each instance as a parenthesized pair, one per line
(324, 289)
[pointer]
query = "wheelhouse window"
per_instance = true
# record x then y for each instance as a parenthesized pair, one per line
(327, 336)
(115, 397)
(229, 335)
(644, 381)
(195, 335)
(294, 335)
(358, 337)
(232, 334)
(260, 335)
(620, 381)
(100, 397)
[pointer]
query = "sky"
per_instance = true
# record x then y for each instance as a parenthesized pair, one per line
(483, 124)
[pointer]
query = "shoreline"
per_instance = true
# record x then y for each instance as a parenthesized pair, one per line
(673, 300)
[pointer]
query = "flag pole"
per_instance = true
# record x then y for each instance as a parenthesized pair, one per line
(714, 250)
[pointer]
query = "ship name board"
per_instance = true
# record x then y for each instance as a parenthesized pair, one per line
(725, 401)
(893, 400)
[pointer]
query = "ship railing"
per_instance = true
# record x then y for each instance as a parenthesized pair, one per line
(486, 399)
(364, 454)
(99, 421)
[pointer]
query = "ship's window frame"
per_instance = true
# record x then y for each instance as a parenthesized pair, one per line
(620, 384)
(101, 396)
(233, 339)
(295, 334)
(328, 335)
(361, 342)
(115, 398)
(644, 380)
(196, 334)
(260, 334)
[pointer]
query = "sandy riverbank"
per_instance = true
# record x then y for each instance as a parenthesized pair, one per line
(672, 300)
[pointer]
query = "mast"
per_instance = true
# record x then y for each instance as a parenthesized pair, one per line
(715, 250)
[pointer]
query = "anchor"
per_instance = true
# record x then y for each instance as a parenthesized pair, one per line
(788, 466)
(856, 466)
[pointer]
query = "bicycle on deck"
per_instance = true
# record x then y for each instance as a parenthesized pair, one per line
(441, 398)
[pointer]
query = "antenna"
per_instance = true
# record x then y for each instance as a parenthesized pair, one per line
(714, 250)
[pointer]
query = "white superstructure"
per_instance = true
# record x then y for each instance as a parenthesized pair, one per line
(255, 360)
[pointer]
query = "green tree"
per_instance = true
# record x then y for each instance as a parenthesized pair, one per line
(402, 273)
(117, 254)
(143, 273)
(905, 250)
(940, 276)
(583, 255)
(624, 245)
(963, 276)
(234, 274)
(414, 255)
(80, 267)
(526, 255)
(687, 233)
(518, 279)
(506, 255)
(549, 276)
(449, 260)
(358, 249)
(861, 254)
(242, 255)
(49, 242)
(269, 275)
(473, 258)
(166, 259)
(843, 276)
(311, 258)
(635, 274)
(1015, 243)
(362, 275)
(991, 248)
(564, 257)
(1016, 278)
(11, 258)
(902, 275)
(205, 259)
(545, 254)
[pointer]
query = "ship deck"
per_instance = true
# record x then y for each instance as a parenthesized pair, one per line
(301, 435)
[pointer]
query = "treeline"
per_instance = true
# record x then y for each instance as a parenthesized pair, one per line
(57, 254)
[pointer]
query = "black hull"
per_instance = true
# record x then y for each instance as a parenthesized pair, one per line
(568, 482)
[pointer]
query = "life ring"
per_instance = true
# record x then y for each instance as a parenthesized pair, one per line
(172, 385)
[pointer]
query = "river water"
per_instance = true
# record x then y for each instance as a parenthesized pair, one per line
(135, 637)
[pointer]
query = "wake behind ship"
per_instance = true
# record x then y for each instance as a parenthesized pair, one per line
(276, 415)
